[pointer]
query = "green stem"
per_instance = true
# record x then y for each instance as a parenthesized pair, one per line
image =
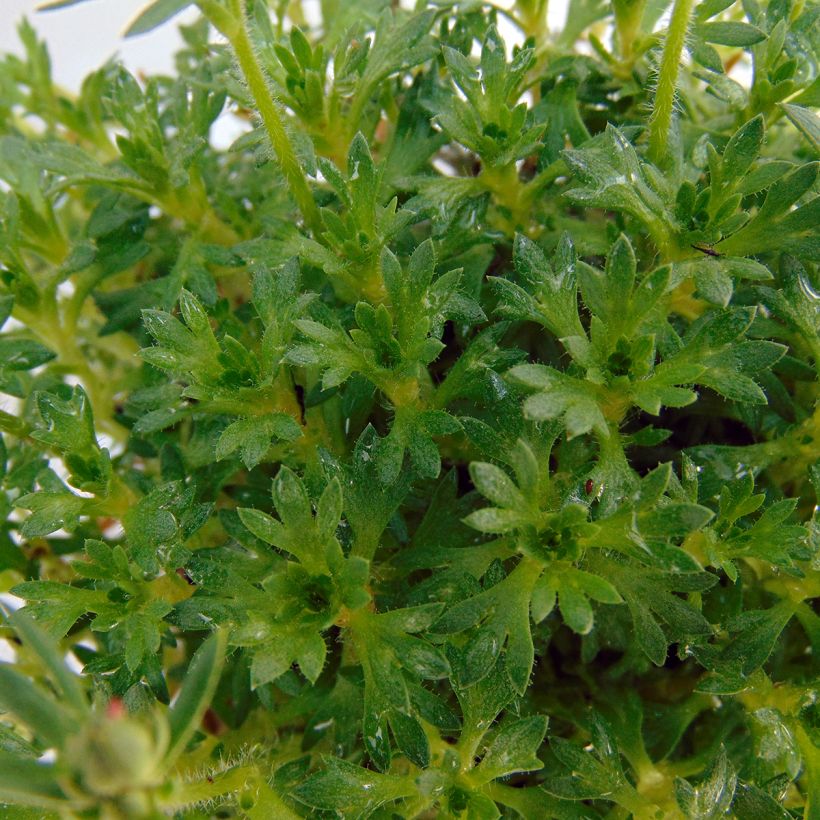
(628, 14)
(661, 119)
(270, 804)
(505, 185)
(239, 37)
(191, 206)
(543, 179)
(533, 17)
(188, 794)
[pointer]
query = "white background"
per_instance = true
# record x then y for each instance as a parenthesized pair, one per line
(80, 38)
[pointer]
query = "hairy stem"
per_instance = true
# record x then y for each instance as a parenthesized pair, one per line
(661, 119)
(260, 90)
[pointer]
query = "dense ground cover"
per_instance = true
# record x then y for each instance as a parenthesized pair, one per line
(448, 446)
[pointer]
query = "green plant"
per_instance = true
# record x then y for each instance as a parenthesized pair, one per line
(446, 447)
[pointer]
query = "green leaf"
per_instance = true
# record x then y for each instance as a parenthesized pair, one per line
(594, 770)
(650, 598)
(597, 588)
(329, 509)
(713, 796)
(763, 176)
(29, 703)
(714, 284)
(57, 606)
(614, 177)
(29, 783)
(154, 15)
(730, 33)
(50, 511)
(751, 801)
(514, 749)
(252, 436)
(743, 148)
(53, 5)
(289, 645)
(262, 525)
(494, 520)
(481, 702)
(675, 520)
(758, 631)
(620, 273)
(195, 696)
(23, 354)
(553, 302)
(345, 787)
(495, 485)
(48, 653)
(503, 611)
(575, 610)
(777, 224)
(806, 121)
(410, 738)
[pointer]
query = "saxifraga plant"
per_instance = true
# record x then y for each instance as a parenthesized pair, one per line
(448, 446)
